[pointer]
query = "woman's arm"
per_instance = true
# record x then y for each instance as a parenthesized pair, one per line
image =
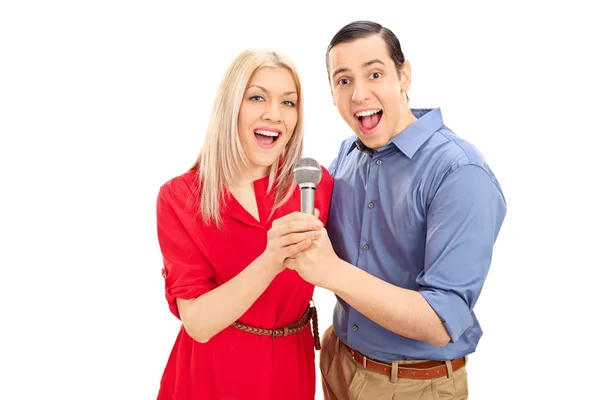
(207, 315)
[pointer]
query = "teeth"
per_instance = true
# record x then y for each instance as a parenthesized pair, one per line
(267, 133)
(366, 113)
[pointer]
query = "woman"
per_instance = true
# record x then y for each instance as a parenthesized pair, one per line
(225, 228)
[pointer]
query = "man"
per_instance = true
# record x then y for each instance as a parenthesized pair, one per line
(414, 216)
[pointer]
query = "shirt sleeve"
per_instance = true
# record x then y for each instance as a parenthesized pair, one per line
(463, 221)
(187, 272)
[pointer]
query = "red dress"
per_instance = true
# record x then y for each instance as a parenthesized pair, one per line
(197, 258)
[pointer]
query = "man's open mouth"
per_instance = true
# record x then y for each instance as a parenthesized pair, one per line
(369, 119)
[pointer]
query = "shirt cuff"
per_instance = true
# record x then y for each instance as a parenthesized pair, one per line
(452, 310)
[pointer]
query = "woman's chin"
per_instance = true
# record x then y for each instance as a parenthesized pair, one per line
(263, 162)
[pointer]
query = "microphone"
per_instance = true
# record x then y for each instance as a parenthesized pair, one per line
(307, 174)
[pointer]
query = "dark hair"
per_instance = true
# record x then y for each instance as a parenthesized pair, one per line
(362, 29)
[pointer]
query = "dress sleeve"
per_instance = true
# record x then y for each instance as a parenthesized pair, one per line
(187, 272)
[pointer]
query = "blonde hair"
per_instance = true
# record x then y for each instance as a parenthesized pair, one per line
(222, 156)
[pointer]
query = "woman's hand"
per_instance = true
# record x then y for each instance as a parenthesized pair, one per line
(288, 236)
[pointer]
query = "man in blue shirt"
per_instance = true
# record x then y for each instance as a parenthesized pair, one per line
(414, 217)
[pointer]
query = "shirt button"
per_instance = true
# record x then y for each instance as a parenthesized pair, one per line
(371, 205)
(379, 162)
(366, 247)
(354, 328)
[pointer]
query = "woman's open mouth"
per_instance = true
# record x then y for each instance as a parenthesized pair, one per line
(266, 138)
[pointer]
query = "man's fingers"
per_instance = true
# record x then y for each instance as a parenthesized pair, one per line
(299, 226)
(295, 216)
(294, 238)
(317, 212)
(294, 249)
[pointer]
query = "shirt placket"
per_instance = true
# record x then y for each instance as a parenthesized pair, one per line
(366, 244)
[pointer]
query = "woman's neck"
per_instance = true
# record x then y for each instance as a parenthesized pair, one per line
(248, 177)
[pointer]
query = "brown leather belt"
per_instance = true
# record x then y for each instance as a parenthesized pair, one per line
(420, 370)
(301, 324)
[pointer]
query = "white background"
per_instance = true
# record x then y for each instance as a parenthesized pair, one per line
(101, 102)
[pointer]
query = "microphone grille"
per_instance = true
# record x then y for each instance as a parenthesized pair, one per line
(307, 170)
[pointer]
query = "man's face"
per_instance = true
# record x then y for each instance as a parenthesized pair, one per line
(367, 90)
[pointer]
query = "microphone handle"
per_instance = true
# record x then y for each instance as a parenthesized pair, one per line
(307, 199)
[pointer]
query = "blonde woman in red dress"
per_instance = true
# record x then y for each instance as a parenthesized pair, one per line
(225, 228)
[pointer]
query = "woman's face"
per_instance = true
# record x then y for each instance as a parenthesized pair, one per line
(268, 117)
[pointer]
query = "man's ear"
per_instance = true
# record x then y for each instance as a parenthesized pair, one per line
(405, 76)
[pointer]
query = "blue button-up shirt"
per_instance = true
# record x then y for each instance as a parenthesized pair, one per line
(422, 213)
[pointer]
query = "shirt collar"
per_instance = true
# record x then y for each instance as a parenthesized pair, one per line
(412, 138)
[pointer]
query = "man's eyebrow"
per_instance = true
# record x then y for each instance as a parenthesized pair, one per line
(339, 71)
(373, 61)
(365, 65)
(267, 92)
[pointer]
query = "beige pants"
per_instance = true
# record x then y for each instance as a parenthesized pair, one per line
(343, 379)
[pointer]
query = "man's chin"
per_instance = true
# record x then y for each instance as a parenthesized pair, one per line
(371, 141)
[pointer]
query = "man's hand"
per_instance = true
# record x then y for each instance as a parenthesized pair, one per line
(288, 236)
(317, 264)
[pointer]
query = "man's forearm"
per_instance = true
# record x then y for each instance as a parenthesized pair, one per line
(399, 310)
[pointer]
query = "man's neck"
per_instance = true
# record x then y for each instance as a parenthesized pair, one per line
(406, 119)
